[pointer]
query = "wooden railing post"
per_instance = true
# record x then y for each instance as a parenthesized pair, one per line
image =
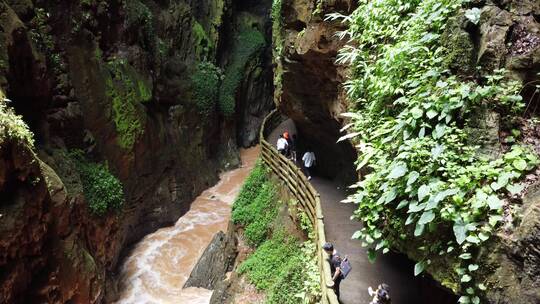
(308, 198)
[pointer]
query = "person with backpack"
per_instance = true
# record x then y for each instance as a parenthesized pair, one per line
(340, 267)
(381, 295)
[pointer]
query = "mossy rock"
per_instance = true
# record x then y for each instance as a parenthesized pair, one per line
(204, 46)
(127, 91)
(247, 45)
(459, 45)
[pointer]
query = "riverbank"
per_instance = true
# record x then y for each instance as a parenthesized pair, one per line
(160, 264)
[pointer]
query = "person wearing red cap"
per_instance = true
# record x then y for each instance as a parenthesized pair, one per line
(288, 139)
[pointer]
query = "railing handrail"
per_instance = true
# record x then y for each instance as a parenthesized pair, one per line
(306, 195)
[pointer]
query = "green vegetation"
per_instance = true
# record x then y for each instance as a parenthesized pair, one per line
(247, 45)
(205, 82)
(281, 265)
(277, 44)
(126, 91)
(424, 181)
(40, 34)
(202, 42)
(286, 269)
(319, 8)
(102, 190)
(12, 126)
(256, 207)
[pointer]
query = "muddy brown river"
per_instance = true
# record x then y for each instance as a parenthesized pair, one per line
(161, 263)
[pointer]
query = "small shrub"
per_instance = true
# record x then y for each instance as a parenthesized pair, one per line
(286, 269)
(12, 126)
(205, 83)
(264, 214)
(102, 190)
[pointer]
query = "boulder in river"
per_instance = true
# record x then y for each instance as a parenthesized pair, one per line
(217, 259)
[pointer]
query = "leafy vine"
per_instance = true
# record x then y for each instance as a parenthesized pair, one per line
(423, 178)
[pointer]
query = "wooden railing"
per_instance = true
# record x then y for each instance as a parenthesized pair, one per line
(306, 195)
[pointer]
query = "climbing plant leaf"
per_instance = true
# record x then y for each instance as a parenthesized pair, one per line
(419, 268)
(426, 217)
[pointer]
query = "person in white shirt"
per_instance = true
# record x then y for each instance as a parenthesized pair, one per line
(309, 161)
(282, 145)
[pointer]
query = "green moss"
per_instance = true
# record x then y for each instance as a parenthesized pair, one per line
(102, 190)
(203, 44)
(247, 45)
(205, 84)
(12, 126)
(127, 90)
(89, 262)
(460, 55)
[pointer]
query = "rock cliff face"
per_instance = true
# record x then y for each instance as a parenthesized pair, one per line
(505, 35)
(218, 259)
(115, 80)
(256, 89)
(311, 84)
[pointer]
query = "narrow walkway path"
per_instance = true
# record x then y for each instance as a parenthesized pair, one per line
(392, 269)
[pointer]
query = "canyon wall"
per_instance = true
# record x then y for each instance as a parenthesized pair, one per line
(132, 88)
(309, 85)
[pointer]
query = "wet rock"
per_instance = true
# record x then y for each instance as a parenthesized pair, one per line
(516, 258)
(25, 220)
(495, 24)
(217, 259)
(483, 131)
(222, 293)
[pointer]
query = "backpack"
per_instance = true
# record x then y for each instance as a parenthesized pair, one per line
(345, 266)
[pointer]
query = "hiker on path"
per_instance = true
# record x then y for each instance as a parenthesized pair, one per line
(292, 146)
(381, 295)
(288, 139)
(335, 265)
(282, 145)
(309, 161)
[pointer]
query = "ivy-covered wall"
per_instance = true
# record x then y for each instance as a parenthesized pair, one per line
(440, 112)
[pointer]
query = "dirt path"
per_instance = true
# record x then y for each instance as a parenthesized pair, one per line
(391, 268)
